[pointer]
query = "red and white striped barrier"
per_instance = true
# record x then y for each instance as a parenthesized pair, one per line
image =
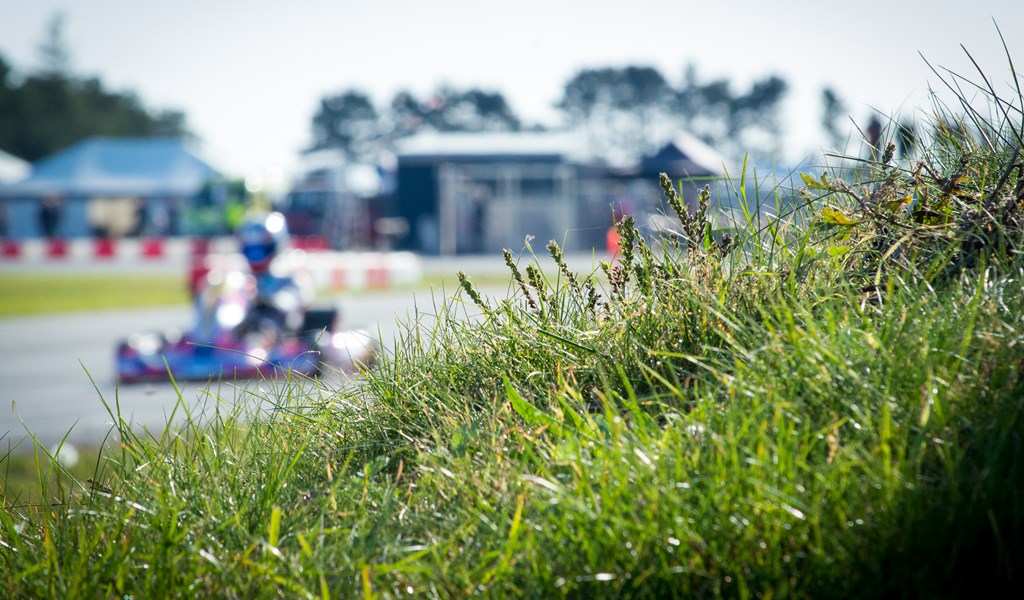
(102, 249)
(200, 256)
(362, 270)
(329, 270)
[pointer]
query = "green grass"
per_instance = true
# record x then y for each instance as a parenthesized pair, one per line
(828, 405)
(28, 294)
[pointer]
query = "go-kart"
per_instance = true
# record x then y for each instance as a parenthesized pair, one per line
(233, 339)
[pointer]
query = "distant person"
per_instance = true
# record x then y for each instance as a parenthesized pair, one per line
(234, 215)
(159, 218)
(49, 215)
(139, 218)
(907, 138)
(874, 137)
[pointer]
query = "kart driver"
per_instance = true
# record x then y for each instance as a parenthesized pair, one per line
(277, 305)
(274, 303)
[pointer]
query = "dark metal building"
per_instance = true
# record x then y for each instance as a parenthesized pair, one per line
(480, 192)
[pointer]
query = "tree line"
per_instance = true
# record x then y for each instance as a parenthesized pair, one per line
(51, 108)
(624, 111)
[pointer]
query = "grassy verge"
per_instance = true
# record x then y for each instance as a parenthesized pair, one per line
(827, 404)
(30, 294)
(27, 294)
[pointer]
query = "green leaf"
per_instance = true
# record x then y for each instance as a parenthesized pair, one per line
(274, 530)
(815, 184)
(533, 416)
(834, 216)
(838, 250)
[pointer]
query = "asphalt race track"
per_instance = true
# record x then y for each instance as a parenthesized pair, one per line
(46, 363)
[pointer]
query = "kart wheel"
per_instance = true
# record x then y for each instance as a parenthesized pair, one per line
(316, 322)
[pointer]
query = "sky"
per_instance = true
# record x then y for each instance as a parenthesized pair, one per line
(249, 74)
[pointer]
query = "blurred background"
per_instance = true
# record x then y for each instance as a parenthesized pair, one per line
(401, 139)
(434, 127)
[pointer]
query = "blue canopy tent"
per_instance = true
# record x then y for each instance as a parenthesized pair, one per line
(12, 169)
(70, 193)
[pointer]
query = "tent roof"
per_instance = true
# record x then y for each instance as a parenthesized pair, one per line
(117, 167)
(686, 156)
(12, 168)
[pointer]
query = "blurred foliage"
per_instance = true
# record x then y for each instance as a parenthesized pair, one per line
(50, 109)
(625, 112)
(349, 121)
(632, 109)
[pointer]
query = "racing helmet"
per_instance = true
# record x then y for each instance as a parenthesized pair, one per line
(261, 238)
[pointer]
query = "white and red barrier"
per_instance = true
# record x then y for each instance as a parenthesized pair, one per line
(199, 256)
(102, 249)
(328, 270)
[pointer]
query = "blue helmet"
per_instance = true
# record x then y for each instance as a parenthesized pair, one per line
(261, 238)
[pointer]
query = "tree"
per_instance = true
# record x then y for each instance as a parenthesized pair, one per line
(8, 104)
(631, 110)
(405, 116)
(45, 114)
(53, 52)
(51, 109)
(754, 117)
(833, 111)
(348, 122)
(622, 110)
(472, 110)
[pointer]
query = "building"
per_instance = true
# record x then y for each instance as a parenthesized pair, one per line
(107, 187)
(689, 162)
(333, 203)
(762, 191)
(12, 169)
(464, 193)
